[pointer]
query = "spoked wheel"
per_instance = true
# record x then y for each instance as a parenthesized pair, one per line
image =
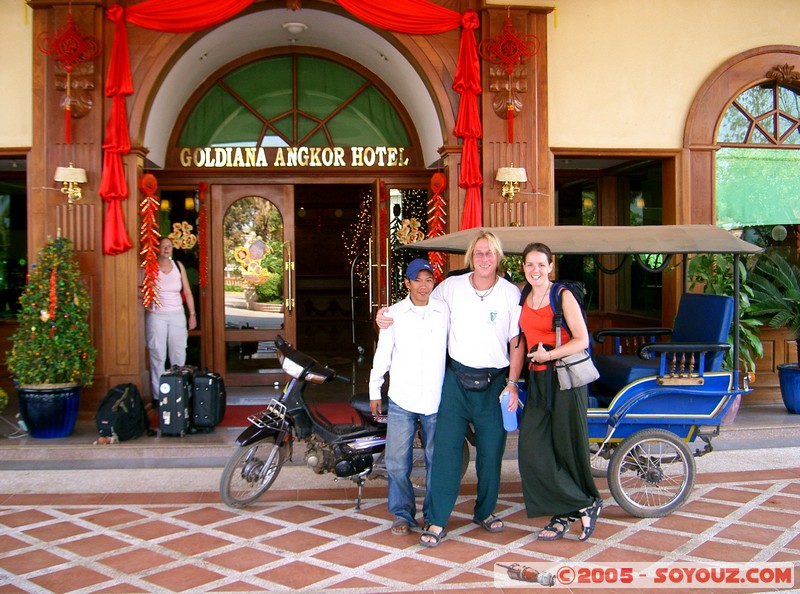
(651, 473)
(600, 462)
(250, 472)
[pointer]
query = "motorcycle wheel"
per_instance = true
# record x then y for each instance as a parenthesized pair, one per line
(250, 472)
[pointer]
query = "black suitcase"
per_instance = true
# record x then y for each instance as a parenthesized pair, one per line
(208, 400)
(174, 401)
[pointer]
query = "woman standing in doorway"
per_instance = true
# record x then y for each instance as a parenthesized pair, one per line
(553, 434)
(165, 325)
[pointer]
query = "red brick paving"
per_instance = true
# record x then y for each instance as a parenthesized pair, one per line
(192, 542)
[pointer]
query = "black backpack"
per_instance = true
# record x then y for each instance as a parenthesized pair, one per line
(122, 413)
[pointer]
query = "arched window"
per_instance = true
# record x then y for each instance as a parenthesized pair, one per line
(294, 100)
(758, 163)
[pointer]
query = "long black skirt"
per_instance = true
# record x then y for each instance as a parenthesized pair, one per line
(554, 449)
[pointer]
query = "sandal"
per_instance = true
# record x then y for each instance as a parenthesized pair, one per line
(436, 538)
(400, 527)
(490, 524)
(558, 526)
(592, 513)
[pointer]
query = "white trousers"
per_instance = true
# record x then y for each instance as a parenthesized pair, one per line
(166, 334)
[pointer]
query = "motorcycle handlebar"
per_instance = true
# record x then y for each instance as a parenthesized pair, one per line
(344, 378)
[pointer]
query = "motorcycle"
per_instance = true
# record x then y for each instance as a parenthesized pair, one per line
(350, 451)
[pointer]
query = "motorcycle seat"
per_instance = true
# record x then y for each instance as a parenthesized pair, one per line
(360, 402)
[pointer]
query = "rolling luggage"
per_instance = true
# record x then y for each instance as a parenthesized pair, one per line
(208, 400)
(174, 401)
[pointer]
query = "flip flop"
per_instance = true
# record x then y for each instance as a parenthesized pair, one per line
(487, 524)
(437, 538)
(401, 527)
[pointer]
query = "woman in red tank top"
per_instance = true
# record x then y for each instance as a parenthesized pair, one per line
(553, 432)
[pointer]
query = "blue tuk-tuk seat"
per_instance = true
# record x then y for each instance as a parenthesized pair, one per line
(701, 319)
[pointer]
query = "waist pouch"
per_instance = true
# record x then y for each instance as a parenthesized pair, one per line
(476, 380)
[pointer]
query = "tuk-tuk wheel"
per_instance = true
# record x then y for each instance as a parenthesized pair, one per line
(651, 473)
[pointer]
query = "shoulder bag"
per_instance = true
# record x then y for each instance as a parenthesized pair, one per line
(574, 370)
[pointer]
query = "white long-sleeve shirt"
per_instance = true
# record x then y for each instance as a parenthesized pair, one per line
(414, 352)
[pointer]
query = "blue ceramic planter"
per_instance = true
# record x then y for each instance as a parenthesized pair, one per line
(789, 378)
(49, 412)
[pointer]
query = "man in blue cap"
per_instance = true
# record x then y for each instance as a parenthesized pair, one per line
(413, 350)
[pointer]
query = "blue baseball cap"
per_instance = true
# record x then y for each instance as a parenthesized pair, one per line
(416, 266)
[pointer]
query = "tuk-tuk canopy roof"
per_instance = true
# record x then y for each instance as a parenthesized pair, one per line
(576, 239)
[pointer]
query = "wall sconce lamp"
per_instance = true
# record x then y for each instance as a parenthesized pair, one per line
(511, 177)
(71, 178)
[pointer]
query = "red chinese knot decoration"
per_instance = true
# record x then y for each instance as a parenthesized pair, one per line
(149, 237)
(436, 217)
(69, 46)
(509, 50)
(202, 234)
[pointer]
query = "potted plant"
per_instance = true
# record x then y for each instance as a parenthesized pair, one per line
(52, 356)
(713, 273)
(776, 298)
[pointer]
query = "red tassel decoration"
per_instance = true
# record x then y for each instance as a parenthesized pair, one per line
(69, 46)
(436, 218)
(149, 238)
(202, 234)
(68, 122)
(510, 111)
(509, 49)
(53, 299)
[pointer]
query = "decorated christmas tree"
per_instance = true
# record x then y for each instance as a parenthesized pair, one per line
(52, 344)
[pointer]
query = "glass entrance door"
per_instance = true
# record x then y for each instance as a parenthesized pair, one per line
(252, 239)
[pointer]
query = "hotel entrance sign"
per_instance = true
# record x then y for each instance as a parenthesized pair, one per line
(304, 156)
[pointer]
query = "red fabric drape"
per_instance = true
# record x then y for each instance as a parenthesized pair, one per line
(423, 17)
(183, 16)
(175, 16)
(417, 17)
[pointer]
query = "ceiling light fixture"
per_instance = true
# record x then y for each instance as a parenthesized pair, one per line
(295, 27)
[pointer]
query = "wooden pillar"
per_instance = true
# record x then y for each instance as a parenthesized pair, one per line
(534, 205)
(48, 211)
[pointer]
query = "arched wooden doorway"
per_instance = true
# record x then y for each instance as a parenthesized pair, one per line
(251, 273)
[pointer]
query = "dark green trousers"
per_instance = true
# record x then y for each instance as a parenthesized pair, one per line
(554, 450)
(458, 408)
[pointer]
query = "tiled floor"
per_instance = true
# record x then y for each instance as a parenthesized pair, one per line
(145, 516)
(313, 540)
